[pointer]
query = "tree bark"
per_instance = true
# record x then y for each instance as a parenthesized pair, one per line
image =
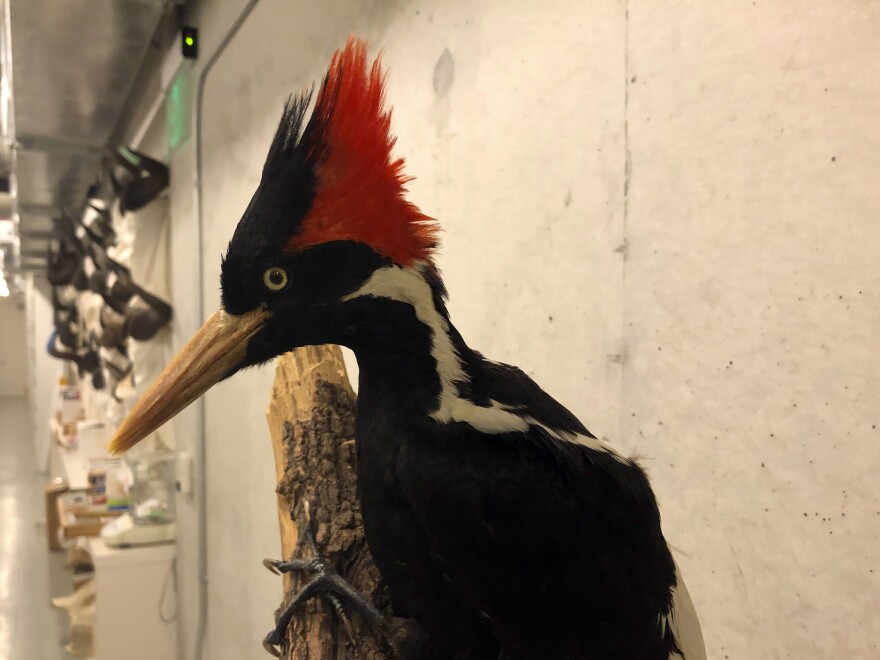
(311, 418)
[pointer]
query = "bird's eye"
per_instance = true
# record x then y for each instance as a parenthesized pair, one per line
(275, 278)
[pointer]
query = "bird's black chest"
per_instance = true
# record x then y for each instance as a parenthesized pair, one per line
(395, 455)
(380, 439)
(393, 531)
(384, 440)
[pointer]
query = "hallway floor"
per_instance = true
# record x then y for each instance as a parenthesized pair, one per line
(30, 629)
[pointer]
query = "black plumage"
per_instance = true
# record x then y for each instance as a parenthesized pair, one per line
(540, 547)
(499, 521)
(522, 543)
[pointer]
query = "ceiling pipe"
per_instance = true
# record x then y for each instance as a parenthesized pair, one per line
(27, 268)
(36, 235)
(7, 111)
(42, 210)
(45, 143)
(33, 264)
(34, 254)
(201, 453)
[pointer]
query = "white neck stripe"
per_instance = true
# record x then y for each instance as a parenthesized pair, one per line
(408, 285)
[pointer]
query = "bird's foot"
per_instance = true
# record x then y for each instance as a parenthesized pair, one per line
(326, 582)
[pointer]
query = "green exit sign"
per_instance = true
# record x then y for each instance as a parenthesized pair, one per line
(177, 110)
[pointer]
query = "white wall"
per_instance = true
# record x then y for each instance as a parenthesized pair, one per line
(13, 338)
(752, 308)
(642, 210)
(44, 370)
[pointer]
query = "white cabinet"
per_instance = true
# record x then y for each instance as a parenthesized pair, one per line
(135, 602)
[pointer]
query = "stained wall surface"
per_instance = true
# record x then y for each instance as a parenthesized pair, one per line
(665, 214)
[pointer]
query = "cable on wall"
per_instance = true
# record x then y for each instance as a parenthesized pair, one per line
(201, 440)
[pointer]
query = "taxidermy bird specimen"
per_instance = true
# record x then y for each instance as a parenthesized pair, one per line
(501, 525)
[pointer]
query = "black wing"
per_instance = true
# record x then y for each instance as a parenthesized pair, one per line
(557, 555)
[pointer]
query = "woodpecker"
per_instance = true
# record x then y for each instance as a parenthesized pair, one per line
(501, 525)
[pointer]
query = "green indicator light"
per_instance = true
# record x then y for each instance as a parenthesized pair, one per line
(190, 41)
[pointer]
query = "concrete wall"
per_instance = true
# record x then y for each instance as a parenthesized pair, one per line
(13, 360)
(665, 213)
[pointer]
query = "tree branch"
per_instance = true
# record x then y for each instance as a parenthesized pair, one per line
(311, 418)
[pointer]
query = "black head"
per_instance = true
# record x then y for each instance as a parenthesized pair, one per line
(330, 211)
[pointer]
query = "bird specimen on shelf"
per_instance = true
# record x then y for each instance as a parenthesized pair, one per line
(501, 525)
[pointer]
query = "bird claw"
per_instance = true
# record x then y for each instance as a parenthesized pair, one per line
(332, 587)
(327, 583)
(271, 643)
(277, 566)
(346, 622)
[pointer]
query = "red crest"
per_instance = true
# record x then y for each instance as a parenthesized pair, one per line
(359, 187)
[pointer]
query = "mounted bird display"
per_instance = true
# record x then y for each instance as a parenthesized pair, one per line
(501, 525)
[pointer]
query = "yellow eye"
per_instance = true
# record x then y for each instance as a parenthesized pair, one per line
(275, 278)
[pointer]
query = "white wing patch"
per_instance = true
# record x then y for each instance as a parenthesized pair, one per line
(682, 620)
(409, 286)
(592, 443)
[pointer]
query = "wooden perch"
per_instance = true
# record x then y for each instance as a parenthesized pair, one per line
(311, 418)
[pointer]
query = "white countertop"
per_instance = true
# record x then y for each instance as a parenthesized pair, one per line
(105, 555)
